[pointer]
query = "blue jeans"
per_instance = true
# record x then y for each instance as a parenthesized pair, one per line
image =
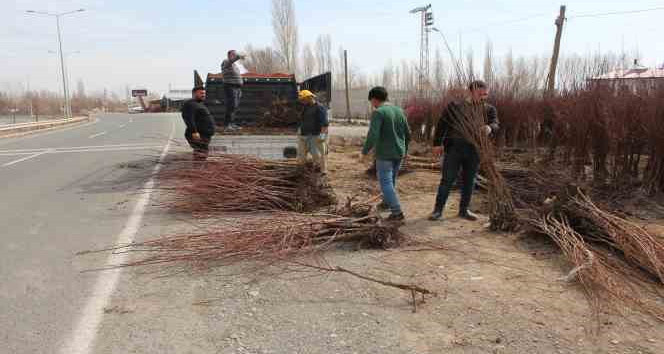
(387, 171)
(232, 95)
(460, 155)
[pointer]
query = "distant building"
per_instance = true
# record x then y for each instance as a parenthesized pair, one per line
(174, 99)
(637, 79)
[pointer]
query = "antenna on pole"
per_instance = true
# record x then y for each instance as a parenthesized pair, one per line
(426, 23)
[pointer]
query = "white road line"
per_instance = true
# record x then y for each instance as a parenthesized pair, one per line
(16, 153)
(110, 149)
(77, 147)
(96, 135)
(96, 149)
(85, 332)
(25, 158)
(122, 126)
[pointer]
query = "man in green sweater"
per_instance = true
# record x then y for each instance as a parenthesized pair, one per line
(389, 136)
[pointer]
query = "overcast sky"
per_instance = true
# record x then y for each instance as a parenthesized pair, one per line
(151, 43)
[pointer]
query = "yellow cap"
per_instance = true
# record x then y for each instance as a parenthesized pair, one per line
(305, 94)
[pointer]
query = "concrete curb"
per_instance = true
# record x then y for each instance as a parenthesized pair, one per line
(21, 129)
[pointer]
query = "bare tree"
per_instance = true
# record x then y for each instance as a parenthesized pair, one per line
(487, 72)
(470, 65)
(324, 53)
(80, 92)
(388, 75)
(308, 61)
(408, 75)
(285, 32)
(438, 71)
(340, 69)
(263, 60)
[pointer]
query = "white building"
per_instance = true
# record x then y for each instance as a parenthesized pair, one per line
(638, 78)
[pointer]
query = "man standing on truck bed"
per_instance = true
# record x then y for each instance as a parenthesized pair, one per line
(232, 88)
(312, 134)
(199, 122)
(388, 136)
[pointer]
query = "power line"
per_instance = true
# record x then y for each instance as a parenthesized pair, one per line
(503, 23)
(601, 14)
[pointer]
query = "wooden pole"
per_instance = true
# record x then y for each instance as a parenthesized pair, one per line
(551, 79)
(347, 88)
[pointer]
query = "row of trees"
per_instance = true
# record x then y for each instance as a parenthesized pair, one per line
(526, 75)
(47, 103)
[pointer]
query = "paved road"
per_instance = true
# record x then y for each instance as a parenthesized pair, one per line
(62, 192)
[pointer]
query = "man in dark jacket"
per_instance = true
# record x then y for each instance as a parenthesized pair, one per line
(199, 122)
(232, 88)
(459, 152)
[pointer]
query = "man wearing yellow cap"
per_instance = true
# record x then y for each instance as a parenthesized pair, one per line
(312, 134)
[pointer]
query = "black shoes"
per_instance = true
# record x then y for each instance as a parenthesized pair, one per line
(383, 207)
(396, 217)
(436, 215)
(468, 215)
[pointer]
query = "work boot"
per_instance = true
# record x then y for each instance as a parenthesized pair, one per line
(383, 206)
(396, 217)
(436, 215)
(468, 215)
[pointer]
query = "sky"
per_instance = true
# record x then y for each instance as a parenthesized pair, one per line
(153, 44)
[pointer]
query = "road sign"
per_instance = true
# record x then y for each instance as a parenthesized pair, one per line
(139, 93)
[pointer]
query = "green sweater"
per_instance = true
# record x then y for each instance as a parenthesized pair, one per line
(389, 133)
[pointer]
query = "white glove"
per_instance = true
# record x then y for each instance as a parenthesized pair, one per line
(487, 130)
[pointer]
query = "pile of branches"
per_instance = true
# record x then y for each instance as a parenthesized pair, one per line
(280, 114)
(236, 183)
(470, 121)
(276, 237)
(617, 262)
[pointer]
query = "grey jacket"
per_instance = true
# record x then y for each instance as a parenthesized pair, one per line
(231, 73)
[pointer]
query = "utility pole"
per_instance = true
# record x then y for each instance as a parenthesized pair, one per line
(551, 79)
(426, 21)
(65, 89)
(347, 88)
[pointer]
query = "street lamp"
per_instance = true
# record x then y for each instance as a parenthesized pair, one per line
(457, 63)
(67, 73)
(65, 89)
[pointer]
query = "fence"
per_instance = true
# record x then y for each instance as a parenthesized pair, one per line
(360, 109)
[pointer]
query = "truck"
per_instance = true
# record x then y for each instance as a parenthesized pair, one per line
(268, 112)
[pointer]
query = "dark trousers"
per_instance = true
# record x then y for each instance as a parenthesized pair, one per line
(460, 155)
(232, 95)
(201, 147)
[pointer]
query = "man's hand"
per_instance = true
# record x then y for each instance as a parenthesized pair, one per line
(196, 136)
(364, 158)
(322, 136)
(487, 130)
(437, 151)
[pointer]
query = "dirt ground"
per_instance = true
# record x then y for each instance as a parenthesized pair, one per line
(497, 293)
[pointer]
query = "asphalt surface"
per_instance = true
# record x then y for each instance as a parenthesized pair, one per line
(83, 188)
(63, 192)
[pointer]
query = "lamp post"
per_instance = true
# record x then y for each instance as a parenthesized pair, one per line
(66, 55)
(65, 89)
